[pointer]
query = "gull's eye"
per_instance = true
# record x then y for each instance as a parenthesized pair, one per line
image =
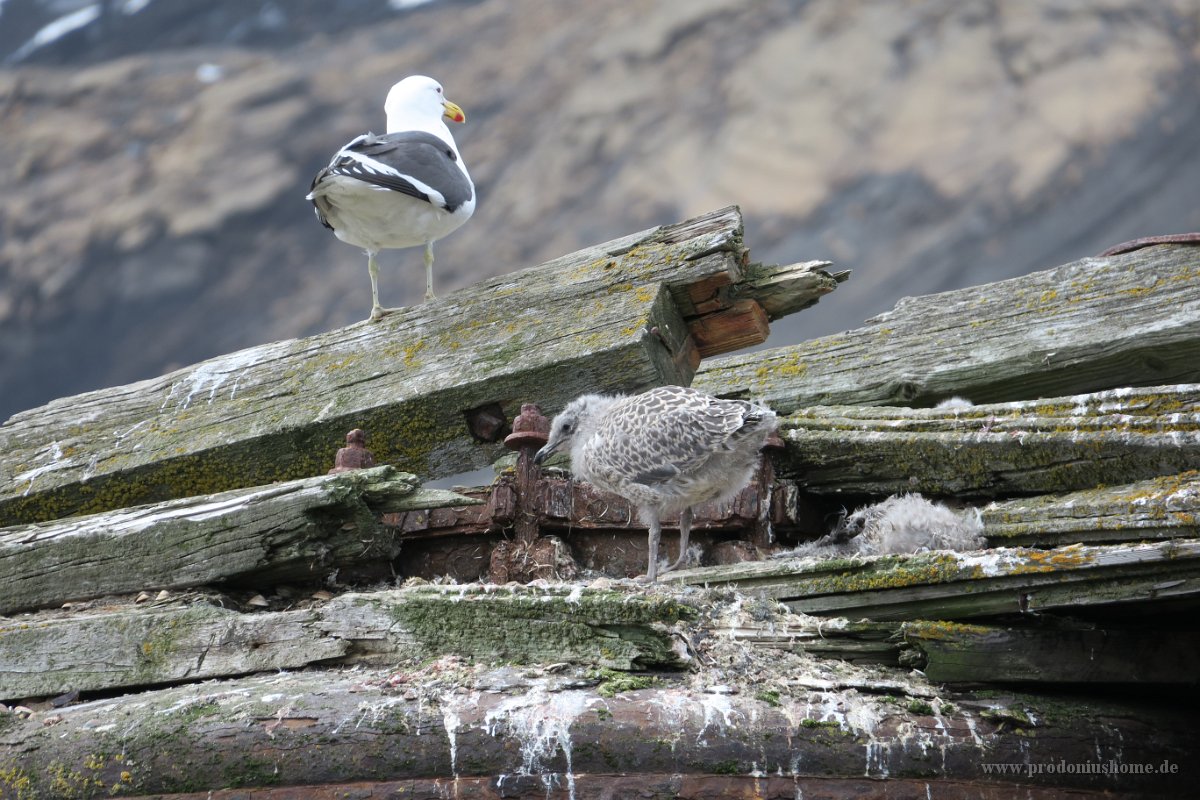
(566, 428)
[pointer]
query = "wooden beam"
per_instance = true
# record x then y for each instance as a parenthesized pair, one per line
(860, 642)
(1129, 320)
(784, 290)
(957, 653)
(1166, 507)
(129, 646)
(744, 323)
(951, 586)
(51, 654)
(611, 317)
(299, 530)
(1027, 447)
(550, 729)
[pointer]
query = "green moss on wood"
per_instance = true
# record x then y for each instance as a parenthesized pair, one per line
(916, 705)
(884, 572)
(525, 625)
(613, 683)
(99, 774)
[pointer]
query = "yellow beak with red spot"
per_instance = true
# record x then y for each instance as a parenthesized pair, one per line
(452, 112)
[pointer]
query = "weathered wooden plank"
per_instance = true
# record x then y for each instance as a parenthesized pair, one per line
(143, 647)
(545, 732)
(949, 586)
(955, 652)
(515, 624)
(1127, 320)
(840, 638)
(301, 529)
(128, 646)
(1167, 507)
(611, 317)
(958, 653)
(1026, 447)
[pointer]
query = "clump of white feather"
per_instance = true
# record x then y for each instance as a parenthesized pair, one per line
(906, 523)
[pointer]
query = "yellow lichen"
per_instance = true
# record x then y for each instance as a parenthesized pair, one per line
(410, 353)
(789, 367)
(943, 630)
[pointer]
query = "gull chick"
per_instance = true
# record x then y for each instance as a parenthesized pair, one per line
(665, 450)
(406, 188)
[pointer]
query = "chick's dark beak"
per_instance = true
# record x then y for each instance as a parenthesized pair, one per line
(543, 454)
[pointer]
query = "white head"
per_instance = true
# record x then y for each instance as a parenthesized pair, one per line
(418, 103)
(574, 424)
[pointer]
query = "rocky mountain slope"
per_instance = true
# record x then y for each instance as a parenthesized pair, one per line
(154, 161)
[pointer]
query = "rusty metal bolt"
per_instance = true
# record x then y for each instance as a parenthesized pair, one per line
(355, 454)
(530, 429)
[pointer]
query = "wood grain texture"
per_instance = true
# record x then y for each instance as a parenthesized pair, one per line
(302, 730)
(949, 585)
(296, 530)
(132, 646)
(1056, 444)
(1129, 320)
(953, 653)
(1167, 507)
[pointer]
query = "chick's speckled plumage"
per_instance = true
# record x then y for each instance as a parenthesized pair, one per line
(665, 450)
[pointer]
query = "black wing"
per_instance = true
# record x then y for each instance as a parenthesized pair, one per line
(411, 162)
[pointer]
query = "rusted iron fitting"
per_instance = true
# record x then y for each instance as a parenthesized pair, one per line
(530, 429)
(774, 443)
(354, 455)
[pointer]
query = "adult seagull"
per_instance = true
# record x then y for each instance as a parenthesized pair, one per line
(406, 188)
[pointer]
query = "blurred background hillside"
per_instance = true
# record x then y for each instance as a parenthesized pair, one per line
(155, 154)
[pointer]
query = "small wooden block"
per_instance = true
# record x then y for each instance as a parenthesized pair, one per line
(741, 325)
(710, 294)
